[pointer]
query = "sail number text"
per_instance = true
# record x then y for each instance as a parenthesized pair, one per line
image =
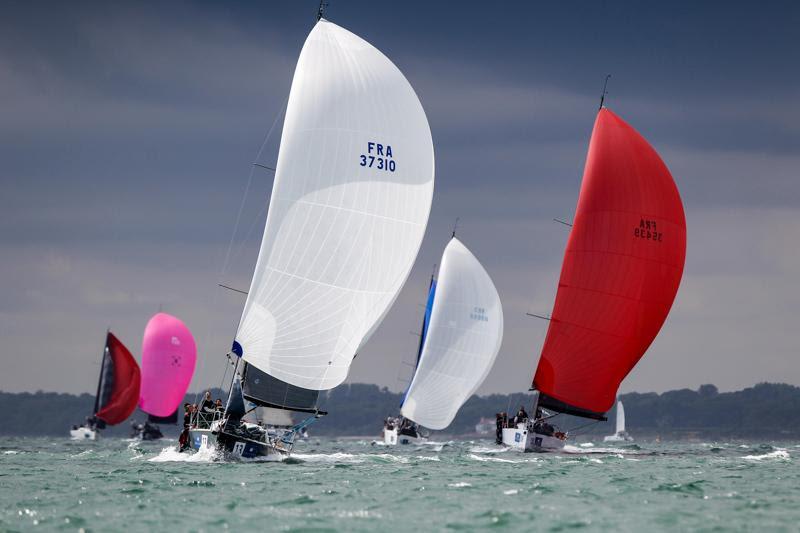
(378, 156)
(648, 230)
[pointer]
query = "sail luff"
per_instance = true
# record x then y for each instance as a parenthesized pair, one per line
(100, 377)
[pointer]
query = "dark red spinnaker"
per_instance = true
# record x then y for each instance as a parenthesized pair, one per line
(621, 271)
(118, 390)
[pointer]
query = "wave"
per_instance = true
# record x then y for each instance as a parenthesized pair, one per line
(489, 449)
(491, 459)
(781, 455)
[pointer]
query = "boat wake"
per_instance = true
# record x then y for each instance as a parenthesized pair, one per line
(171, 454)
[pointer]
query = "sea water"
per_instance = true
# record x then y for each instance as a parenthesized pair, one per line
(355, 485)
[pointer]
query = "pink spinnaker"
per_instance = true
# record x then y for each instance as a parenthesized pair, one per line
(169, 355)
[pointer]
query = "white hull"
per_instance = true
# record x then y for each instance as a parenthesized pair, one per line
(525, 440)
(83, 433)
(618, 438)
(389, 436)
(392, 438)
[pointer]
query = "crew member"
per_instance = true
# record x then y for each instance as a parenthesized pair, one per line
(208, 404)
(522, 416)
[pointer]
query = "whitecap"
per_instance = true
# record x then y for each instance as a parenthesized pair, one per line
(171, 454)
(782, 455)
(489, 459)
(459, 485)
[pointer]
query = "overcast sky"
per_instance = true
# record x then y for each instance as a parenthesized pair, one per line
(127, 133)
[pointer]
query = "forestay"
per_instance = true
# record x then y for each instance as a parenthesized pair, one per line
(349, 207)
(464, 336)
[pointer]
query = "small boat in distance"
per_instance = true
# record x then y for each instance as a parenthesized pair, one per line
(169, 356)
(622, 267)
(461, 335)
(620, 435)
(349, 206)
(117, 390)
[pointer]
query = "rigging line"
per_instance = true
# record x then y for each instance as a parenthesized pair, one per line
(215, 297)
(539, 316)
(562, 222)
(231, 288)
(267, 137)
(593, 422)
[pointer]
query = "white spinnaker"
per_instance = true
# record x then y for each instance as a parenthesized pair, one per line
(464, 336)
(342, 231)
(620, 418)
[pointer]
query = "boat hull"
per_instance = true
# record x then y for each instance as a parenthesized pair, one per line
(234, 446)
(526, 440)
(392, 437)
(618, 438)
(83, 433)
(389, 436)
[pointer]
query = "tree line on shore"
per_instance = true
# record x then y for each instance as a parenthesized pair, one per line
(769, 410)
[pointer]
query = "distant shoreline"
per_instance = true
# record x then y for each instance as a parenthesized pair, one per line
(357, 411)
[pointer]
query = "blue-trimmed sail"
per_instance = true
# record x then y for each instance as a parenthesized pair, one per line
(426, 320)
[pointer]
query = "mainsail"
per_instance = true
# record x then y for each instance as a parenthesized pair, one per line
(169, 355)
(462, 341)
(622, 268)
(620, 418)
(118, 387)
(349, 207)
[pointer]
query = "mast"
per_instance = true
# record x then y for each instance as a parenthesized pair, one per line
(605, 92)
(428, 304)
(321, 11)
(100, 378)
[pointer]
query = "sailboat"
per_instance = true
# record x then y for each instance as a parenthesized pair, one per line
(117, 390)
(349, 208)
(621, 271)
(169, 356)
(461, 335)
(620, 435)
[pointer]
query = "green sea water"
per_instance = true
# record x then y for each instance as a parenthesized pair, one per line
(353, 485)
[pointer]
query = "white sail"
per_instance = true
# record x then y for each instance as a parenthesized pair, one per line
(464, 336)
(348, 211)
(620, 418)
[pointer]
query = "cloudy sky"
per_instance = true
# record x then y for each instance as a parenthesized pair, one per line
(127, 133)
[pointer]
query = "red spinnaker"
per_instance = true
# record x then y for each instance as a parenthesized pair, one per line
(123, 383)
(621, 271)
